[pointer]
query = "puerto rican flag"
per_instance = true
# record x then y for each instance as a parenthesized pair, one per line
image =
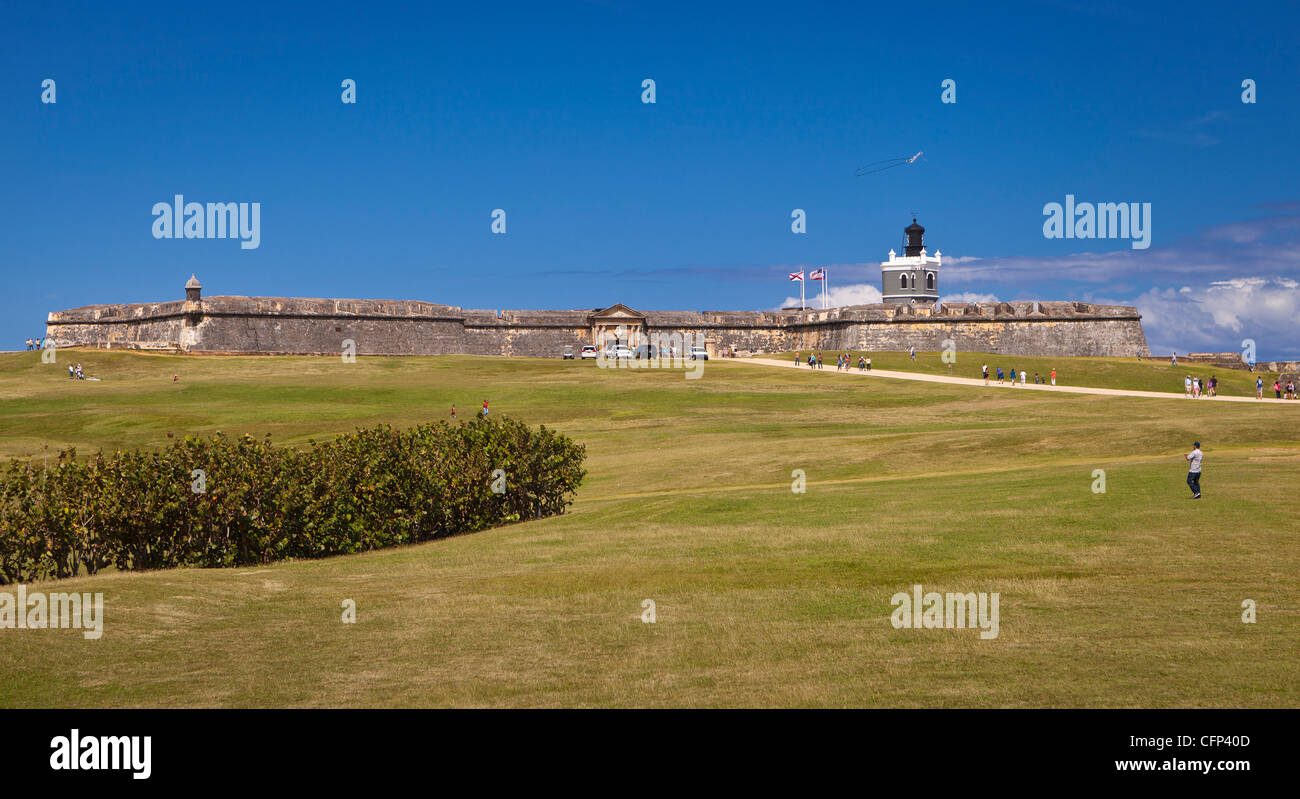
(796, 275)
(817, 274)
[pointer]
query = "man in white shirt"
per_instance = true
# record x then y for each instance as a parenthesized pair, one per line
(1194, 470)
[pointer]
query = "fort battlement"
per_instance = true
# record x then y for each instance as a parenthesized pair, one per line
(306, 326)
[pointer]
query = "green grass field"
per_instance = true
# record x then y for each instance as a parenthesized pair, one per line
(764, 597)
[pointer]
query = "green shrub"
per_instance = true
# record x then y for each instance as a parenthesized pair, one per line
(370, 489)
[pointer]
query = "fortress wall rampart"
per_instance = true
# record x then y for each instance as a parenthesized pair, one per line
(1045, 337)
(524, 341)
(767, 339)
(400, 327)
(325, 335)
(158, 333)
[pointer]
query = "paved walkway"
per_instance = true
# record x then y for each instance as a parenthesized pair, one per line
(977, 381)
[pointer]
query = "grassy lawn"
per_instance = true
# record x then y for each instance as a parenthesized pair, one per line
(1124, 373)
(764, 597)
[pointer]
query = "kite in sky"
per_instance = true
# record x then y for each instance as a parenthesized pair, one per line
(888, 163)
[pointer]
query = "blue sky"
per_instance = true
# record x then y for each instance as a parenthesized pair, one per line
(681, 204)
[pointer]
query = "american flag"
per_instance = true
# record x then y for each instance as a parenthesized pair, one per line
(817, 274)
(796, 275)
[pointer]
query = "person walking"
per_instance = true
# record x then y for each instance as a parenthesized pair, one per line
(796, 358)
(1290, 389)
(1259, 388)
(1024, 376)
(485, 409)
(912, 352)
(1053, 375)
(868, 364)
(1277, 389)
(985, 370)
(1187, 386)
(1194, 470)
(862, 363)
(453, 410)
(999, 375)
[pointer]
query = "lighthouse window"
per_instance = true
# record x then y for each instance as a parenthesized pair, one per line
(902, 281)
(929, 281)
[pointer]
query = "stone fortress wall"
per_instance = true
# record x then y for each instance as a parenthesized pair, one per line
(278, 325)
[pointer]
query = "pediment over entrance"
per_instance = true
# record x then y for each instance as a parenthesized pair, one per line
(617, 324)
(617, 311)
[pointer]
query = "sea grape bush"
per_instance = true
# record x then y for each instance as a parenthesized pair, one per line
(370, 489)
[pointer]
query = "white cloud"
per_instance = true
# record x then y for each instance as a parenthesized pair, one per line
(853, 294)
(968, 296)
(1218, 316)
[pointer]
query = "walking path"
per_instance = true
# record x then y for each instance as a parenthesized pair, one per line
(979, 381)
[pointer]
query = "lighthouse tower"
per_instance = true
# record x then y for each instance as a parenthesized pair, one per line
(914, 277)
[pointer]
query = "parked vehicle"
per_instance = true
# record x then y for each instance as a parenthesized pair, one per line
(699, 354)
(647, 351)
(589, 353)
(568, 354)
(622, 351)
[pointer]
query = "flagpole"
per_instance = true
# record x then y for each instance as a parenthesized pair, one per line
(803, 303)
(826, 287)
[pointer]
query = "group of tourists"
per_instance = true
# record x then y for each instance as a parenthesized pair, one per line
(1197, 387)
(34, 343)
(1278, 389)
(75, 373)
(1012, 374)
(843, 362)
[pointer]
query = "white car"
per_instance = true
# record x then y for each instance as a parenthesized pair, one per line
(622, 351)
(589, 353)
(699, 354)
